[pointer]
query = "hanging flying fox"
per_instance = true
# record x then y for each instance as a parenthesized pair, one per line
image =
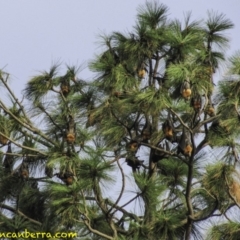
(49, 171)
(168, 129)
(24, 171)
(146, 131)
(134, 162)
(196, 103)
(71, 130)
(66, 177)
(65, 86)
(185, 145)
(9, 159)
(142, 70)
(210, 110)
(120, 94)
(158, 155)
(132, 146)
(3, 140)
(186, 90)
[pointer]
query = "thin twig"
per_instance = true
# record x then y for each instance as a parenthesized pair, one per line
(22, 146)
(122, 189)
(31, 128)
(15, 98)
(180, 120)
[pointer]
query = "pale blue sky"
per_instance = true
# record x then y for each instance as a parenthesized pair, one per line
(36, 33)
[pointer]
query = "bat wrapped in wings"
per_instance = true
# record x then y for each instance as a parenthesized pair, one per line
(8, 159)
(24, 171)
(186, 90)
(71, 130)
(168, 129)
(185, 145)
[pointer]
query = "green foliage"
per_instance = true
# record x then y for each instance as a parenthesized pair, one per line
(174, 172)
(39, 86)
(130, 154)
(235, 64)
(225, 231)
(214, 181)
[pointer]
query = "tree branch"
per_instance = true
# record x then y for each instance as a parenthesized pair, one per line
(21, 146)
(122, 189)
(14, 97)
(180, 120)
(19, 213)
(188, 198)
(30, 128)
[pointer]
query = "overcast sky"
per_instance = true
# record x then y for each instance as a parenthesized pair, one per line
(36, 33)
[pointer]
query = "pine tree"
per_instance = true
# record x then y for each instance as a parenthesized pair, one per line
(147, 150)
